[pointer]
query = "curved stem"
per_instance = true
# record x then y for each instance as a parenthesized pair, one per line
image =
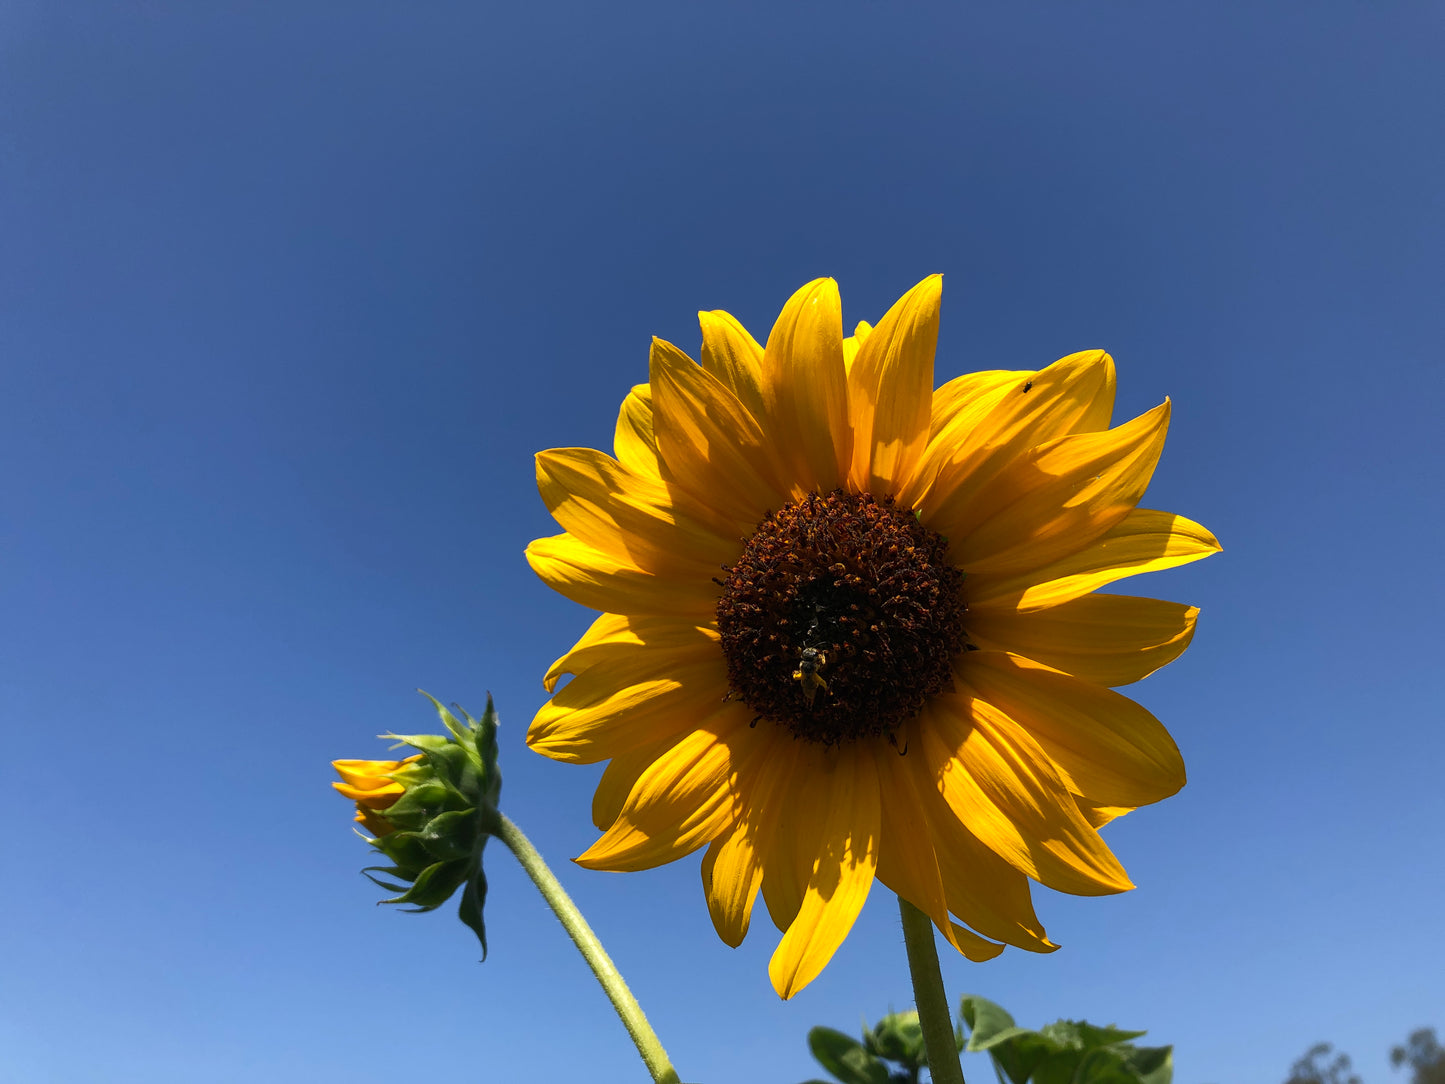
(933, 1013)
(630, 1012)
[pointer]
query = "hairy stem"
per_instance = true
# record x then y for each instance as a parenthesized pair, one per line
(933, 1012)
(628, 1010)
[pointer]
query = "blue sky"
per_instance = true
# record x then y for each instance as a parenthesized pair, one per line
(289, 295)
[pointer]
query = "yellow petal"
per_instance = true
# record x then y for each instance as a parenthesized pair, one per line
(853, 342)
(847, 826)
(982, 889)
(377, 795)
(634, 441)
(906, 861)
(734, 357)
(1109, 748)
(958, 408)
(963, 402)
(1056, 498)
(604, 505)
(1106, 639)
(805, 391)
(607, 710)
(890, 391)
(370, 773)
(1073, 395)
(1100, 815)
(621, 775)
(787, 858)
(618, 636)
(603, 582)
(1144, 541)
(732, 871)
(373, 822)
(685, 798)
(636, 449)
(1006, 791)
(710, 444)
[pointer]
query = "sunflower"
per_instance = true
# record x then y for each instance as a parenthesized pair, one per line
(849, 630)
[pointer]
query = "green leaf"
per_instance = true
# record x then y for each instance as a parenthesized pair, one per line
(846, 1058)
(1096, 1036)
(1064, 1034)
(1104, 1065)
(1008, 1035)
(1056, 1067)
(1019, 1053)
(1152, 1064)
(1064, 1052)
(986, 1021)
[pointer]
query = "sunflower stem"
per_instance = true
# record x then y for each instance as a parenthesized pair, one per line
(626, 1006)
(939, 1040)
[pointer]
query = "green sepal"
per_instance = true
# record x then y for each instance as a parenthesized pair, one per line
(484, 738)
(425, 743)
(451, 835)
(845, 1057)
(461, 734)
(390, 871)
(474, 895)
(445, 759)
(434, 885)
(406, 850)
(430, 796)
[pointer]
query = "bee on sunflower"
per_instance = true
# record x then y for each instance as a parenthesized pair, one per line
(850, 632)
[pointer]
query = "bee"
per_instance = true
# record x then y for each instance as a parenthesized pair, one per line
(809, 673)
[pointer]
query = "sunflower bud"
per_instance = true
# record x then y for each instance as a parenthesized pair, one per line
(431, 813)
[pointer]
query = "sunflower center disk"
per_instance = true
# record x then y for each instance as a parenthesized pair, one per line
(841, 617)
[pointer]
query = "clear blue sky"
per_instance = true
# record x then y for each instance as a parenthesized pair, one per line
(290, 294)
